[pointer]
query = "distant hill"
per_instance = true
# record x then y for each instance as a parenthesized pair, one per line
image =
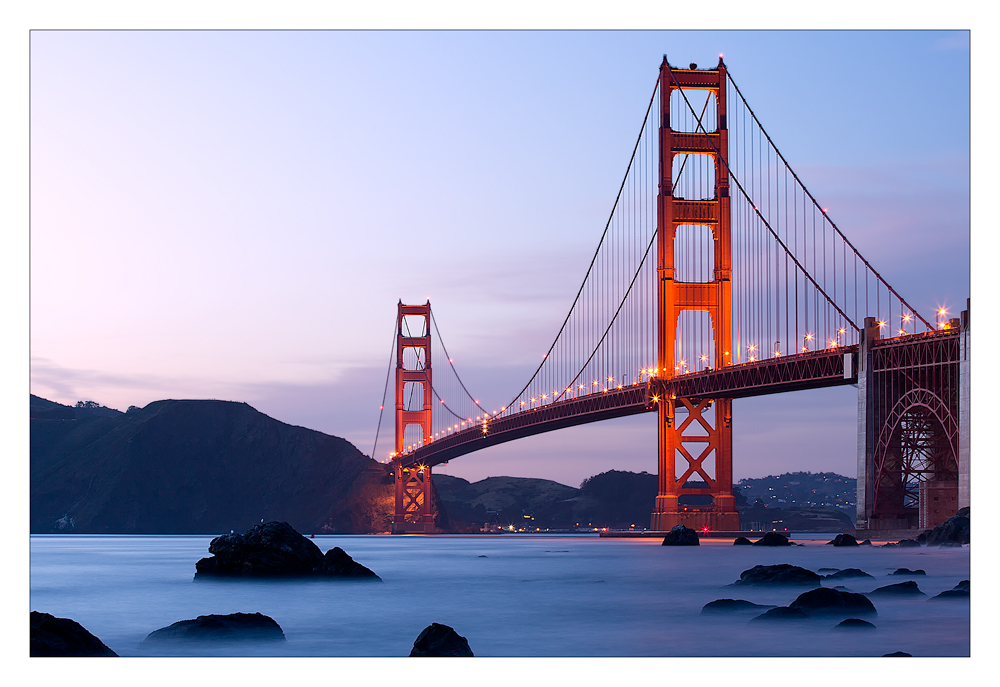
(183, 466)
(802, 490)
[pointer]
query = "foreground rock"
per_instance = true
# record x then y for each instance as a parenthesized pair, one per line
(959, 591)
(773, 539)
(851, 624)
(51, 636)
(908, 588)
(681, 536)
(440, 640)
(276, 550)
(844, 540)
(848, 573)
(782, 573)
(234, 627)
(833, 602)
(732, 606)
(781, 613)
(954, 530)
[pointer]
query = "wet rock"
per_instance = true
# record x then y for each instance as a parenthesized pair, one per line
(733, 606)
(953, 531)
(781, 613)
(275, 550)
(336, 563)
(51, 636)
(440, 640)
(782, 573)
(897, 653)
(680, 535)
(908, 588)
(906, 572)
(852, 624)
(772, 539)
(742, 541)
(911, 543)
(833, 602)
(844, 540)
(959, 591)
(234, 627)
(866, 542)
(848, 573)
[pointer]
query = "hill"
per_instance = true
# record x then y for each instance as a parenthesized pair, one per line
(187, 466)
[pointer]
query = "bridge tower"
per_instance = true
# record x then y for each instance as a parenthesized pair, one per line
(704, 430)
(413, 367)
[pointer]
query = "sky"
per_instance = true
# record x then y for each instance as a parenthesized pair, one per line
(235, 214)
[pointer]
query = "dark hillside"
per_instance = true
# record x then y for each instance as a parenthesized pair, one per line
(197, 467)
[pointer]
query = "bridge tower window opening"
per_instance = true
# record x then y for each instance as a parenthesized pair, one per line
(694, 176)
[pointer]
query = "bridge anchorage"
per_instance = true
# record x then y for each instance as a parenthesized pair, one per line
(718, 276)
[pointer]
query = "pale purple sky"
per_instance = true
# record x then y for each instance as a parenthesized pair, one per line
(234, 215)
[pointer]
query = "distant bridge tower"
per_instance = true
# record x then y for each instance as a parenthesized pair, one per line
(705, 434)
(413, 379)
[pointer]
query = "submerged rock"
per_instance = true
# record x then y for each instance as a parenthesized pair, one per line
(908, 588)
(52, 636)
(720, 606)
(906, 572)
(742, 541)
(959, 591)
(847, 573)
(844, 540)
(680, 535)
(773, 539)
(897, 653)
(783, 573)
(854, 624)
(276, 550)
(234, 627)
(833, 602)
(781, 613)
(440, 640)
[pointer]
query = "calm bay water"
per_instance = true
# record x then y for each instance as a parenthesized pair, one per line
(508, 595)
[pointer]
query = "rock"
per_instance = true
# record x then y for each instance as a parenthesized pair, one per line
(959, 591)
(826, 602)
(51, 636)
(908, 543)
(234, 627)
(781, 613)
(854, 624)
(897, 653)
(732, 606)
(681, 536)
(866, 542)
(782, 573)
(275, 550)
(844, 540)
(742, 541)
(440, 640)
(907, 572)
(954, 530)
(847, 573)
(908, 588)
(337, 563)
(772, 539)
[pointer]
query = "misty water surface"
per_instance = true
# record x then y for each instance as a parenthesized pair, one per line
(508, 595)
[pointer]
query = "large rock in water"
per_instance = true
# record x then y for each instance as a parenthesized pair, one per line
(440, 640)
(954, 530)
(276, 550)
(783, 573)
(51, 636)
(908, 588)
(234, 627)
(844, 539)
(773, 539)
(833, 602)
(680, 535)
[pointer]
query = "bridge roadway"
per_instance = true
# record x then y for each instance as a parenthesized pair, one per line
(770, 376)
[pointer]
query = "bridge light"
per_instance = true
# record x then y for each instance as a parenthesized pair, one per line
(880, 324)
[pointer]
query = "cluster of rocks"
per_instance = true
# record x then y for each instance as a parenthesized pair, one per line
(276, 550)
(681, 535)
(822, 602)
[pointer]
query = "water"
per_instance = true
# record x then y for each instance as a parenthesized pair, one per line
(556, 596)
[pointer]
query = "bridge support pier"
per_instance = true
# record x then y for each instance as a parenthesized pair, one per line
(414, 514)
(705, 433)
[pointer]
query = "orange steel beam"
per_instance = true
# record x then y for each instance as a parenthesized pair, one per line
(674, 297)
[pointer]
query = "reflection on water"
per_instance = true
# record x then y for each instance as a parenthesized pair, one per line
(508, 595)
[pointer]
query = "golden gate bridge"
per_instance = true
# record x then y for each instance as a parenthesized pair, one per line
(718, 276)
